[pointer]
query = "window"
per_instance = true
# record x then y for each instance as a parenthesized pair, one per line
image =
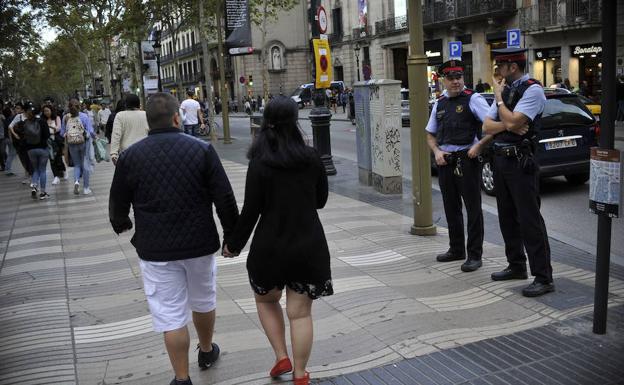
(192, 37)
(194, 66)
(337, 21)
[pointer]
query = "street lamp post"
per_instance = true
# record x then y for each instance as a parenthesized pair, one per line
(119, 80)
(157, 47)
(357, 59)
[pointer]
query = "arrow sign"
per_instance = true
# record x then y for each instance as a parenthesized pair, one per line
(455, 50)
(513, 38)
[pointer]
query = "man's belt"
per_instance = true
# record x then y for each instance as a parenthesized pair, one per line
(509, 150)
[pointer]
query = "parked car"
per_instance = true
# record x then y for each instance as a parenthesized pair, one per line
(405, 111)
(568, 131)
(594, 107)
(303, 94)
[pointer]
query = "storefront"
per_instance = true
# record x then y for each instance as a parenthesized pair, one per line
(547, 66)
(433, 51)
(586, 69)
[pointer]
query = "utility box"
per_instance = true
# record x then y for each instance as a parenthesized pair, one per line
(361, 96)
(385, 121)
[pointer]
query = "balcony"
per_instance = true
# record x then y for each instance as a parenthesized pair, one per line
(170, 80)
(334, 38)
(362, 33)
(555, 15)
(192, 78)
(392, 25)
(438, 13)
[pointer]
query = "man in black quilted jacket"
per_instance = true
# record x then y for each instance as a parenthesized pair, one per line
(172, 181)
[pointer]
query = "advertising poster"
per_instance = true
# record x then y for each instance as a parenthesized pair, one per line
(150, 76)
(237, 24)
(605, 182)
(322, 59)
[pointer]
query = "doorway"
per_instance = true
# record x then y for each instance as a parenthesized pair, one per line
(399, 57)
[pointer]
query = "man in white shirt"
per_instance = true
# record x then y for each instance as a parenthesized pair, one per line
(103, 116)
(192, 114)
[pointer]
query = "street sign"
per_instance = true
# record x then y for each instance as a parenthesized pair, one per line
(241, 51)
(513, 38)
(322, 59)
(322, 19)
(455, 50)
(241, 80)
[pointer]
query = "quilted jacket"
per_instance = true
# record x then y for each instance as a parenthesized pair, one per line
(172, 181)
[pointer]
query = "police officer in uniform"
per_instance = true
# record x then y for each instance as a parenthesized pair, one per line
(453, 133)
(514, 119)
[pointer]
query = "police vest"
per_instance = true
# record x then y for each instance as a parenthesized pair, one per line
(456, 123)
(511, 97)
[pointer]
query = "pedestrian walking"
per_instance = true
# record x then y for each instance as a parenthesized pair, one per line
(35, 142)
(480, 87)
(108, 131)
(344, 100)
(453, 133)
(103, 116)
(7, 142)
(129, 127)
(17, 137)
(55, 143)
(286, 185)
(176, 236)
(193, 118)
(514, 119)
(78, 132)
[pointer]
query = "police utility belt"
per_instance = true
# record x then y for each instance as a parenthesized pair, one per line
(523, 152)
(454, 159)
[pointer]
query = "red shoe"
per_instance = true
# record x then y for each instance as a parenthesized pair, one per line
(305, 380)
(282, 366)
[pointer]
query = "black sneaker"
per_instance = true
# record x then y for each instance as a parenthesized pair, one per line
(471, 265)
(449, 257)
(44, 195)
(538, 288)
(206, 359)
(175, 381)
(33, 193)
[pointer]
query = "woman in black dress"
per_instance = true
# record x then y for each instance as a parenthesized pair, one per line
(286, 184)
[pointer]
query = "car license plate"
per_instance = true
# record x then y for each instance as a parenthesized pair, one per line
(561, 144)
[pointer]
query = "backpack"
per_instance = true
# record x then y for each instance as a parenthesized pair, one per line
(32, 132)
(75, 130)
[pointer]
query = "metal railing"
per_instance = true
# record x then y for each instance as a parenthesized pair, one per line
(391, 25)
(554, 14)
(361, 33)
(334, 38)
(169, 80)
(436, 11)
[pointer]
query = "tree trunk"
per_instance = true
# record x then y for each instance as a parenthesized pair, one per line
(207, 77)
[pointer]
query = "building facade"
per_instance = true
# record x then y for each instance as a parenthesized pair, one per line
(369, 39)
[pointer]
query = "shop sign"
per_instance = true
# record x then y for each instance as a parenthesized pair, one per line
(433, 51)
(547, 53)
(587, 49)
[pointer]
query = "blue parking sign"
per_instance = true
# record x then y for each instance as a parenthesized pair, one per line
(513, 38)
(455, 50)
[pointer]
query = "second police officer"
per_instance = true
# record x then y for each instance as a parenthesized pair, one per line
(514, 119)
(453, 133)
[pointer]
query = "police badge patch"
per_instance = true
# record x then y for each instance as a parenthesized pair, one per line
(459, 109)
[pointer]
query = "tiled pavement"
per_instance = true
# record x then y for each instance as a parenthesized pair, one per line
(72, 308)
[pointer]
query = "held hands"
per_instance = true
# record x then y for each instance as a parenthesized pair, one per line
(439, 157)
(227, 253)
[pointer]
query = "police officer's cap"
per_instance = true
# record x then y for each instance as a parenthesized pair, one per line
(510, 55)
(451, 67)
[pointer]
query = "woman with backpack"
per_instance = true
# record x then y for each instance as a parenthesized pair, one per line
(77, 131)
(36, 134)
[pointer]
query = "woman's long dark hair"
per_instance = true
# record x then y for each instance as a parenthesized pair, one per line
(279, 142)
(52, 112)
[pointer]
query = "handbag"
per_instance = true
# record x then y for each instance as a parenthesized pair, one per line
(101, 154)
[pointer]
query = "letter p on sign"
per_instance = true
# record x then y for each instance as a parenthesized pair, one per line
(455, 50)
(513, 38)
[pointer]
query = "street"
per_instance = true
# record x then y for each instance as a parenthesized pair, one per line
(564, 207)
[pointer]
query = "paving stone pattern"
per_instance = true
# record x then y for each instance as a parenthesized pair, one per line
(73, 311)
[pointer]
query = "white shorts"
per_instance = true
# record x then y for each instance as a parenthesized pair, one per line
(176, 288)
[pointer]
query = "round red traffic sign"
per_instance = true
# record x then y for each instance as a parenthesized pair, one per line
(241, 80)
(324, 63)
(322, 19)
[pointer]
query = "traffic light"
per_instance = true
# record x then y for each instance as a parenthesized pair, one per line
(250, 80)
